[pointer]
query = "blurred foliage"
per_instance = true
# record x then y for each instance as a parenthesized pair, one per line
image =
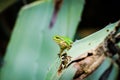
(31, 52)
(5, 4)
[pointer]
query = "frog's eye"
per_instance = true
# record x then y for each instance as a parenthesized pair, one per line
(57, 37)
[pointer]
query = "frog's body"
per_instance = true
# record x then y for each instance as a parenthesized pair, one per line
(63, 42)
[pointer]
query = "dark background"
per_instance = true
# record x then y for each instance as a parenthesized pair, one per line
(96, 15)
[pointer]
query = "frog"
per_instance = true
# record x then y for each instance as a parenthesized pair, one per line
(64, 43)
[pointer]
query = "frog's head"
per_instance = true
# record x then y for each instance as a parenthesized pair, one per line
(57, 39)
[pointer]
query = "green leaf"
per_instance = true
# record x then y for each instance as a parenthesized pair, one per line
(114, 73)
(22, 58)
(69, 17)
(88, 43)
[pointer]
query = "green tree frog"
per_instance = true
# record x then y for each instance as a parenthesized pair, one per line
(63, 42)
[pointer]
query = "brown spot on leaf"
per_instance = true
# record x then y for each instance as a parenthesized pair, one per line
(107, 30)
(57, 6)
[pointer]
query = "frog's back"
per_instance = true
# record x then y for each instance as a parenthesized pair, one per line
(68, 40)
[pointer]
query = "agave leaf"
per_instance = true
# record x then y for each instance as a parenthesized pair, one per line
(114, 73)
(81, 46)
(23, 57)
(68, 17)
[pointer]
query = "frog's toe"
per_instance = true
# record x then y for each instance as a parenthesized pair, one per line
(59, 55)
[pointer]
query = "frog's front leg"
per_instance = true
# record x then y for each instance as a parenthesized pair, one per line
(69, 47)
(61, 51)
